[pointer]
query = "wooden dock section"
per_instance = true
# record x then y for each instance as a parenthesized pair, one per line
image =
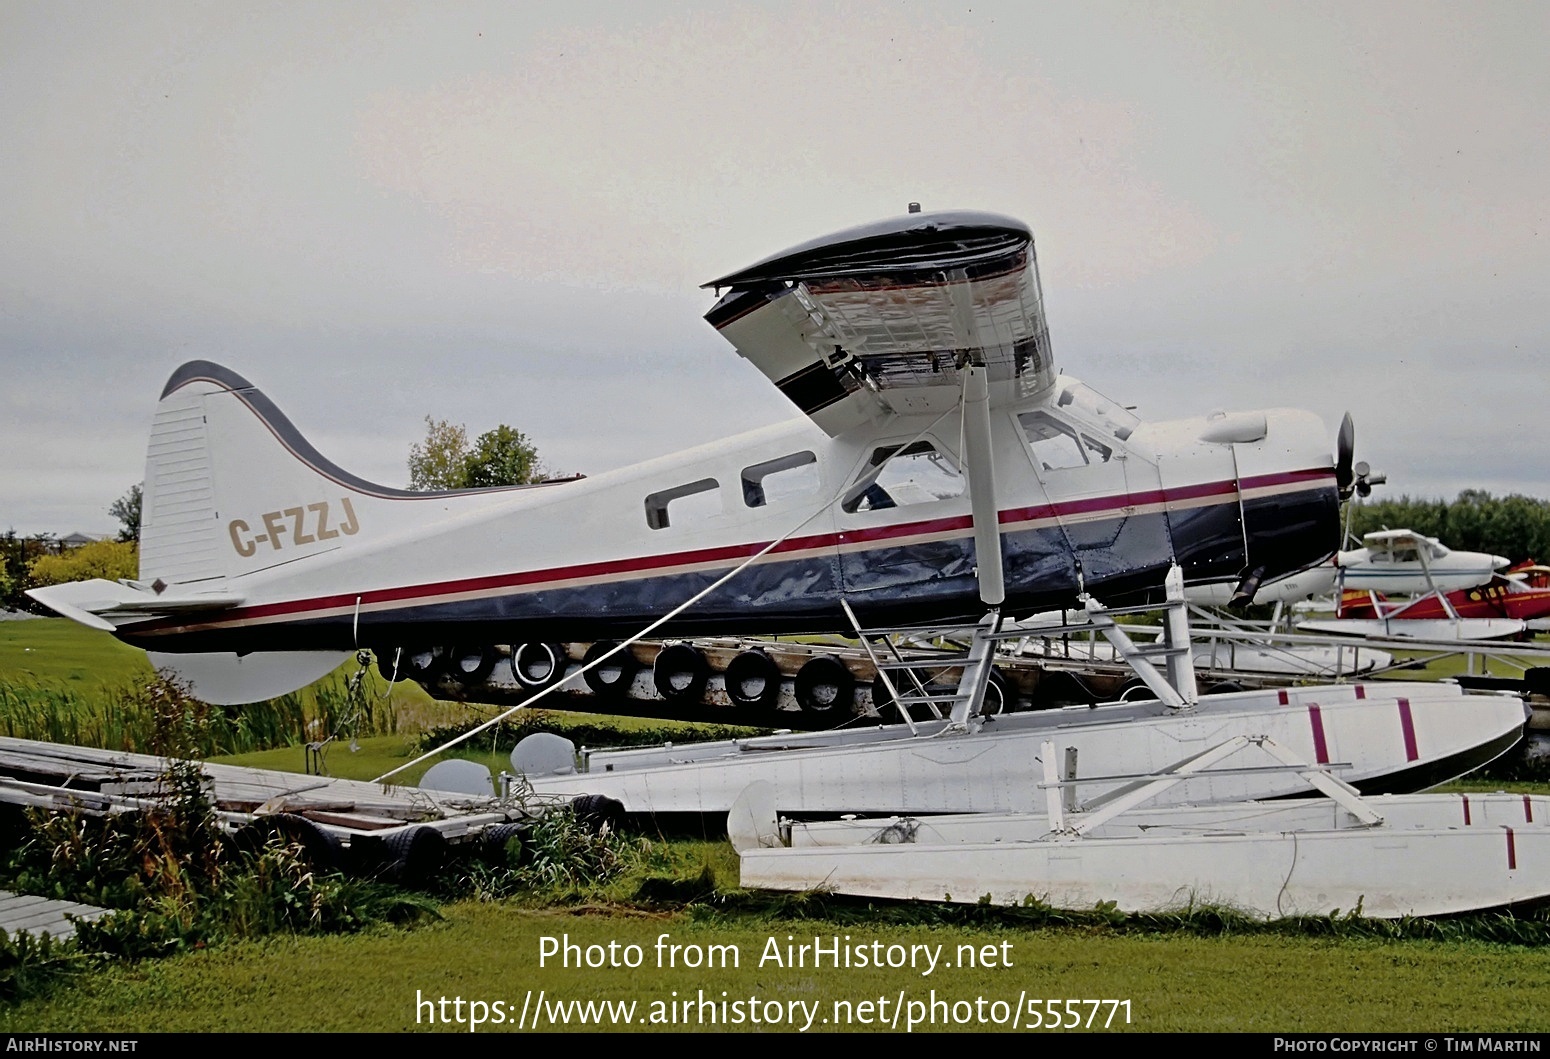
(21, 914)
(103, 782)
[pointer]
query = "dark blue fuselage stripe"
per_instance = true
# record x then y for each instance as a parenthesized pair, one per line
(928, 581)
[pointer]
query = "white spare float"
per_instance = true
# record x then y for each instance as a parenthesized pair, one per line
(1384, 857)
(1379, 737)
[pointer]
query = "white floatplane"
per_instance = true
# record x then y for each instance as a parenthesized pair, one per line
(943, 472)
(941, 467)
(1394, 562)
(1442, 582)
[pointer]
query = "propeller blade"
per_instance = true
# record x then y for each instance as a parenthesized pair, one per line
(1345, 454)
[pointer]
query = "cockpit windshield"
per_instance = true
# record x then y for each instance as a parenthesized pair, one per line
(1084, 402)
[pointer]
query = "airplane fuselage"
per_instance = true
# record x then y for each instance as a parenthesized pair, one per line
(320, 559)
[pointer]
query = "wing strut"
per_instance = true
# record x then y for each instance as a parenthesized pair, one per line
(987, 540)
(982, 486)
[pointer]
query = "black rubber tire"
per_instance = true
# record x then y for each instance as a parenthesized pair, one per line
(613, 678)
(825, 687)
(883, 702)
(1536, 680)
(390, 665)
(416, 853)
(1000, 697)
(536, 666)
(470, 666)
(1059, 688)
(680, 673)
(422, 663)
(320, 849)
(495, 842)
(594, 811)
(753, 681)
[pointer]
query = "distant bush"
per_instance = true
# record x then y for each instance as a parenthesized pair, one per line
(109, 560)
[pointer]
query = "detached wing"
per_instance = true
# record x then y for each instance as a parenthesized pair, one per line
(880, 319)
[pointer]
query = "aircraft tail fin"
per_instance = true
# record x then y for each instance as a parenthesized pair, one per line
(232, 488)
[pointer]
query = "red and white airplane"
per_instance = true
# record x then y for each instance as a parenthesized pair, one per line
(1505, 606)
(940, 467)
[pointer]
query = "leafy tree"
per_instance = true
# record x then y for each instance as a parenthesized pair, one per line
(127, 510)
(503, 456)
(16, 555)
(441, 462)
(109, 560)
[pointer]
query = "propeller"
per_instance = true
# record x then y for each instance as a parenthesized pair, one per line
(1352, 475)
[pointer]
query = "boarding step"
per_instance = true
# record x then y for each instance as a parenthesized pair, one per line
(920, 632)
(943, 662)
(1160, 651)
(940, 700)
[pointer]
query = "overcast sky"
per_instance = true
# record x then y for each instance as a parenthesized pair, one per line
(501, 213)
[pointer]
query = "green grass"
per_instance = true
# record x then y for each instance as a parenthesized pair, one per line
(491, 952)
(59, 650)
(1177, 976)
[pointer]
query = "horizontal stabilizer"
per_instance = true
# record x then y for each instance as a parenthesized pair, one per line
(79, 601)
(93, 602)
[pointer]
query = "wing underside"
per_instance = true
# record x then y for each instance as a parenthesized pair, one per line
(883, 319)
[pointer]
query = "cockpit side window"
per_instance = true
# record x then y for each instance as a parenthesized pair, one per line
(902, 477)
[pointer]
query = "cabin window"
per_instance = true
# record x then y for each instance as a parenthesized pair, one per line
(787, 478)
(901, 477)
(1057, 446)
(684, 505)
